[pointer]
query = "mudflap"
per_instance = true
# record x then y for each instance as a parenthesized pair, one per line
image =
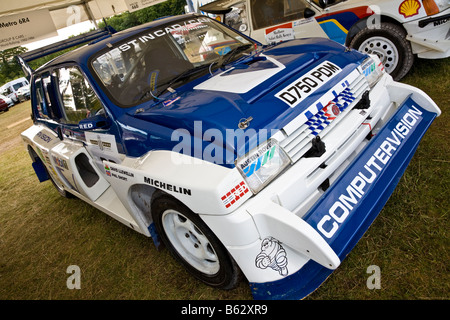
(345, 212)
(40, 171)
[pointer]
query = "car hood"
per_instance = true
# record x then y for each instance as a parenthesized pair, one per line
(248, 92)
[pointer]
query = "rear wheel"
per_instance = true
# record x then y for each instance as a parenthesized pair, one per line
(59, 187)
(193, 244)
(389, 43)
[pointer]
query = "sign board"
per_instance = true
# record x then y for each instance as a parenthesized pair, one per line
(280, 33)
(22, 28)
(134, 5)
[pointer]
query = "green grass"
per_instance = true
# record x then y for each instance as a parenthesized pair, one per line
(41, 233)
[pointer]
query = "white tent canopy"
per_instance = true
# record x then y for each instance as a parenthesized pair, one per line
(66, 11)
(25, 21)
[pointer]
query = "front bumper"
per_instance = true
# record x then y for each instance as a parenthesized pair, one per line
(296, 249)
(341, 218)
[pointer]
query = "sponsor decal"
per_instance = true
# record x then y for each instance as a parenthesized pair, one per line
(44, 137)
(107, 170)
(104, 142)
(328, 114)
(170, 101)
(438, 23)
(167, 186)
(234, 194)
(352, 194)
(272, 256)
(367, 69)
(307, 84)
(193, 24)
(331, 110)
(45, 157)
(262, 156)
(118, 173)
(101, 144)
(153, 79)
(409, 8)
(61, 163)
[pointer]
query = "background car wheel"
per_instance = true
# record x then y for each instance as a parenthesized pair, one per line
(389, 43)
(193, 244)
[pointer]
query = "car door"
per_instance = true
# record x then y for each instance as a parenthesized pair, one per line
(78, 167)
(274, 21)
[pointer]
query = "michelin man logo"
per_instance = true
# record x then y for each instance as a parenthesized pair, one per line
(273, 256)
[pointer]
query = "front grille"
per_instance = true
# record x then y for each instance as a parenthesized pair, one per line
(298, 137)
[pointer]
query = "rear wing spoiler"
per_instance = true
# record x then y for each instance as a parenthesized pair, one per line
(93, 36)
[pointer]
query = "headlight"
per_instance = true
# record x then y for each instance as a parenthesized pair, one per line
(262, 164)
(434, 6)
(372, 69)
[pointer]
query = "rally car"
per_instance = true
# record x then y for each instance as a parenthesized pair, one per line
(242, 159)
(393, 30)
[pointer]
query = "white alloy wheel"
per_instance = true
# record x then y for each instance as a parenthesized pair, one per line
(190, 242)
(384, 49)
(388, 41)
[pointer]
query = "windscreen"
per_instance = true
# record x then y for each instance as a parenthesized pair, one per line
(147, 64)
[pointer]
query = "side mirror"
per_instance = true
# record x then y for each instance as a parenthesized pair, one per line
(308, 13)
(323, 3)
(97, 122)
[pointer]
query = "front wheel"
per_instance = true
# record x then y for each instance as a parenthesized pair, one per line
(389, 43)
(193, 244)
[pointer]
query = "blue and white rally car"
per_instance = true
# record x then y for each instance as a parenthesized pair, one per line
(266, 161)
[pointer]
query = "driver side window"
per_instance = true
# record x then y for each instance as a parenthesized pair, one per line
(77, 97)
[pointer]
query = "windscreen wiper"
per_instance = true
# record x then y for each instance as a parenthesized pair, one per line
(225, 59)
(185, 74)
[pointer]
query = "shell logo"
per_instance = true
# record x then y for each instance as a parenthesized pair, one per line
(409, 8)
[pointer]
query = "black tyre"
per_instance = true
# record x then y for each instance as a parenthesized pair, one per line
(59, 187)
(193, 244)
(389, 43)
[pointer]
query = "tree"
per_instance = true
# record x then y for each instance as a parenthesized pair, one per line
(130, 19)
(9, 67)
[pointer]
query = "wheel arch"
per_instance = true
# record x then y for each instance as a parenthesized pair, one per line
(362, 24)
(33, 154)
(141, 198)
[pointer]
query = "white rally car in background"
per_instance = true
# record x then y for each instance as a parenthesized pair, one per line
(266, 161)
(395, 30)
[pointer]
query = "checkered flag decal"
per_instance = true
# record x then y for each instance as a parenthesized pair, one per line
(325, 116)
